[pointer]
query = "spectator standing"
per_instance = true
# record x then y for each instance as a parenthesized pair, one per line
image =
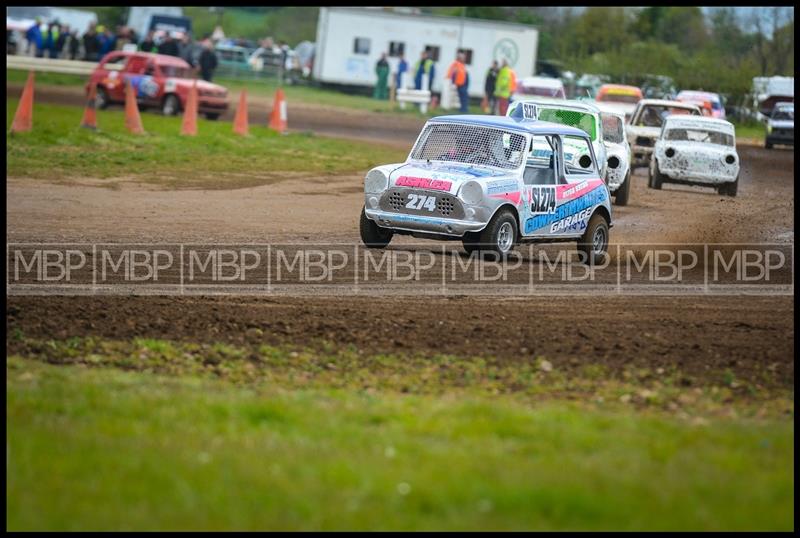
(61, 41)
(34, 37)
(50, 39)
(73, 45)
(168, 46)
(402, 68)
(186, 49)
(512, 83)
(502, 90)
(424, 66)
(458, 75)
(382, 70)
(148, 44)
(207, 60)
(91, 44)
(489, 85)
(107, 40)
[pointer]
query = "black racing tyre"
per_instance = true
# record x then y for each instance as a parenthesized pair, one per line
(624, 191)
(500, 235)
(373, 235)
(729, 189)
(102, 100)
(768, 145)
(656, 178)
(471, 241)
(212, 115)
(594, 242)
(171, 105)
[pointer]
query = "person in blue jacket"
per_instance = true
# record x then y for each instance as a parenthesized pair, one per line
(425, 66)
(34, 37)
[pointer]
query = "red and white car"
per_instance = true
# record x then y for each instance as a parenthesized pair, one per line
(160, 81)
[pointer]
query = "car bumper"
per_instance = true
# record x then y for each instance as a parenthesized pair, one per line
(419, 223)
(212, 105)
(614, 179)
(781, 138)
(698, 177)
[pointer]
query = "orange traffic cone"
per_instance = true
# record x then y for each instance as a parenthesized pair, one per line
(90, 113)
(189, 126)
(278, 120)
(23, 118)
(132, 119)
(240, 125)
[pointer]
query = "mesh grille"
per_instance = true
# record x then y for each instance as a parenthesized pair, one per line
(470, 144)
(582, 120)
(397, 198)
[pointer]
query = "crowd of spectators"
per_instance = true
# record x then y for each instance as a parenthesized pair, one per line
(55, 40)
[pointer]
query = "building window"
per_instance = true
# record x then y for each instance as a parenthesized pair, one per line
(467, 55)
(361, 45)
(396, 48)
(433, 52)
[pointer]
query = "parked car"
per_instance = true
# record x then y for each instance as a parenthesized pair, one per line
(696, 150)
(618, 152)
(160, 81)
(646, 123)
(780, 125)
(711, 101)
(479, 179)
(623, 98)
(583, 115)
(547, 87)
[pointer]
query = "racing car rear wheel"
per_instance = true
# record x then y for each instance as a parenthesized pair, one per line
(373, 235)
(729, 189)
(594, 242)
(499, 236)
(624, 191)
(656, 177)
(101, 100)
(212, 115)
(171, 105)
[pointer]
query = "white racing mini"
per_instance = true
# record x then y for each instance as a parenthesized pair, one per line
(484, 180)
(618, 154)
(696, 150)
(646, 123)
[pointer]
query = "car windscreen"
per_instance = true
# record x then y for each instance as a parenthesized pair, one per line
(654, 115)
(470, 144)
(542, 91)
(582, 120)
(175, 71)
(783, 115)
(699, 135)
(619, 98)
(612, 128)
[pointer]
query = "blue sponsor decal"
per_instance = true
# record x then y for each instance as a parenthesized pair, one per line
(590, 199)
(497, 187)
(143, 85)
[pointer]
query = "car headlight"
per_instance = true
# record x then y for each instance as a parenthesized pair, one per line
(613, 162)
(769, 128)
(471, 192)
(730, 159)
(669, 152)
(376, 181)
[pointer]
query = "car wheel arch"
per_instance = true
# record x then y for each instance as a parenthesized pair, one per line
(514, 211)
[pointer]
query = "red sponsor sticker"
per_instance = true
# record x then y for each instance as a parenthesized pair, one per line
(424, 183)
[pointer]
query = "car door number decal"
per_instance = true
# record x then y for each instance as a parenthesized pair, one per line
(420, 201)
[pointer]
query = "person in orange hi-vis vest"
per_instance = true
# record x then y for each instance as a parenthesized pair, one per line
(512, 84)
(458, 75)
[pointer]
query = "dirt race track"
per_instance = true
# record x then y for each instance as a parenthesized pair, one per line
(702, 336)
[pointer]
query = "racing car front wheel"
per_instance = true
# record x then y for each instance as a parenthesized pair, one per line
(594, 242)
(656, 177)
(624, 191)
(171, 105)
(101, 100)
(729, 189)
(212, 116)
(373, 235)
(498, 238)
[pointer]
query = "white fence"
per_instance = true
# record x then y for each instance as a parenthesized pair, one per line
(48, 65)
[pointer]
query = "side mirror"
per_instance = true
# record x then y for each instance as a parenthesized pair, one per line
(585, 161)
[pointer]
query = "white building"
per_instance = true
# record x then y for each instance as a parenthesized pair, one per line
(350, 42)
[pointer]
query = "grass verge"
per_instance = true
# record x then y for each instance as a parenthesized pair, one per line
(216, 158)
(152, 434)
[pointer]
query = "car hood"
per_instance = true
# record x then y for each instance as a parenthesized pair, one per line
(782, 124)
(445, 177)
(641, 130)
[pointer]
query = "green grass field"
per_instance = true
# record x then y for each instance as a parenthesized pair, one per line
(115, 435)
(59, 149)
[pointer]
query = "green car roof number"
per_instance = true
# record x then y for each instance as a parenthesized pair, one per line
(506, 49)
(581, 120)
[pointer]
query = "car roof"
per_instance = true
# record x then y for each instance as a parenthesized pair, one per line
(619, 87)
(562, 103)
(697, 94)
(667, 102)
(700, 120)
(548, 82)
(160, 59)
(533, 127)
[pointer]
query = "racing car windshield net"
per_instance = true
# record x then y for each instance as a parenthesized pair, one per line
(470, 144)
(582, 120)
(700, 135)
